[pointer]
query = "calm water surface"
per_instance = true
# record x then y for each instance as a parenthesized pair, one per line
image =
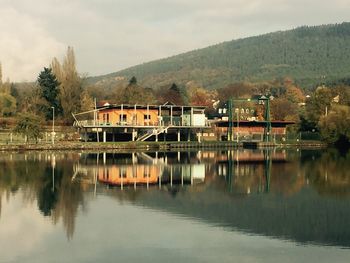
(205, 206)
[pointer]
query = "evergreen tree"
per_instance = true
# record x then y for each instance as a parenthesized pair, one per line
(133, 81)
(29, 126)
(49, 92)
(175, 88)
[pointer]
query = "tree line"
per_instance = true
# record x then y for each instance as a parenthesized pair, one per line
(309, 55)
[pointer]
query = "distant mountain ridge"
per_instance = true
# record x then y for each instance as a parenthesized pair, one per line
(309, 55)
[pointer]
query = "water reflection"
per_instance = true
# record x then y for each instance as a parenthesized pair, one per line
(295, 195)
(46, 180)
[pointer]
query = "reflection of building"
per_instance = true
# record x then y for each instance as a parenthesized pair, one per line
(243, 171)
(151, 174)
(129, 174)
(247, 171)
(142, 168)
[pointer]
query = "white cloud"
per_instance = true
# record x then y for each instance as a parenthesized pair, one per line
(25, 46)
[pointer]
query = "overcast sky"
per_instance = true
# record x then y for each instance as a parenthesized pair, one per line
(109, 35)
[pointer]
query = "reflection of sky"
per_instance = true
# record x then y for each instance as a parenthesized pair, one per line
(111, 231)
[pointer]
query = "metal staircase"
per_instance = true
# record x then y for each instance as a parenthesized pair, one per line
(150, 133)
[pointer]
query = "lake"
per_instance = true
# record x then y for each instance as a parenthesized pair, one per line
(192, 206)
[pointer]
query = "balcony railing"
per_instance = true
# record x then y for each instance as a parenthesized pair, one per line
(175, 122)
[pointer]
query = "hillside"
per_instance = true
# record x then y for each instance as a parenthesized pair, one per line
(309, 55)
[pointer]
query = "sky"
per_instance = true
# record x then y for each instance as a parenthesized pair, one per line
(110, 35)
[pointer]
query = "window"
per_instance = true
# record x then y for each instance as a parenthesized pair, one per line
(134, 118)
(146, 117)
(122, 117)
(146, 172)
(122, 172)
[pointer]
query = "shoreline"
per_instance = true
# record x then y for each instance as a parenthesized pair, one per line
(73, 146)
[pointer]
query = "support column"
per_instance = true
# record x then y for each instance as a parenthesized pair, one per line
(104, 136)
(133, 135)
(156, 136)
(182, 116)
(171, 177)
(160, 116)
(121, 114)
(171, 115)
(191, 121)
(147, 181)
(148, 120)
(178, 135)
(182, 179)
(135, 116)
(189, 135)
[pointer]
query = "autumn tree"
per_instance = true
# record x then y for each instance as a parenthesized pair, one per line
(70, 84)
(283, 109)
(87, 102)
(235, 90)
(335, 126)
(0, 73)
(318, 103)
(8, 103)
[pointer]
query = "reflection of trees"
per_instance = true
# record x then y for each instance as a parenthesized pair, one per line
(47, 195)
(57, 197)
(329, 174)
(70, 197)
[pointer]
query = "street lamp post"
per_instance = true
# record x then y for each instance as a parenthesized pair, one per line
(237, 126)
(53, 125)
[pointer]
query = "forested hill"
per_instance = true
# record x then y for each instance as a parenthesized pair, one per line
(309, 55)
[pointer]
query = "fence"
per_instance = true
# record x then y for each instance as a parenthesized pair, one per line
(7, 136)
(304, 136)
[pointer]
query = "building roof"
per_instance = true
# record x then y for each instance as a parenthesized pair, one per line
(156, 107)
